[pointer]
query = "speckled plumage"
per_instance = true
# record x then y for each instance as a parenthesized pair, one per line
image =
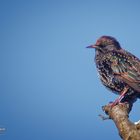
(118, 69)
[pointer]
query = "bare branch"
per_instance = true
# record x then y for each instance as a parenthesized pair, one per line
(120, 115)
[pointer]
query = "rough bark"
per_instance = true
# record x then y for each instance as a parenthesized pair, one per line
(120, 115)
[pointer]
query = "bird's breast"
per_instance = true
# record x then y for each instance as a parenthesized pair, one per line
(106, 74)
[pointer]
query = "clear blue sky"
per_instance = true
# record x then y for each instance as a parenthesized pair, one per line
(49, 84)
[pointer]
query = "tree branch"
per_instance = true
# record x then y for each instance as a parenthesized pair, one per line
(120, 115)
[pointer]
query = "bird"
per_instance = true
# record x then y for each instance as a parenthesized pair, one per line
(119, 70)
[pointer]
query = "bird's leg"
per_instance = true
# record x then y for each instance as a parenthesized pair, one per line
(120, 97)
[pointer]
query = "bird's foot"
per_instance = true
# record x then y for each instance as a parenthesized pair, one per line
(116, 102)
(112, 104)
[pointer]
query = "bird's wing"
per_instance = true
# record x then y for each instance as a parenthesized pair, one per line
(127, 68)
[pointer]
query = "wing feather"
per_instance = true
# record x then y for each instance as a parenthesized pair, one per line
(127, 68)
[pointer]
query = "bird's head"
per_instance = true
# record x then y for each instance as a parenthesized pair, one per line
(106, 43)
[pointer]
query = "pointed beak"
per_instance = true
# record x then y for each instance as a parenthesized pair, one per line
(92, 46)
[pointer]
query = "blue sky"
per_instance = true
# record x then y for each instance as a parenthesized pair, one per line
(50, 88)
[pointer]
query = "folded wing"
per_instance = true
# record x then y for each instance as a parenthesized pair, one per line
(126, 67)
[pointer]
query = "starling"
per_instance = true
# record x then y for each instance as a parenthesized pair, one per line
(118, 69)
